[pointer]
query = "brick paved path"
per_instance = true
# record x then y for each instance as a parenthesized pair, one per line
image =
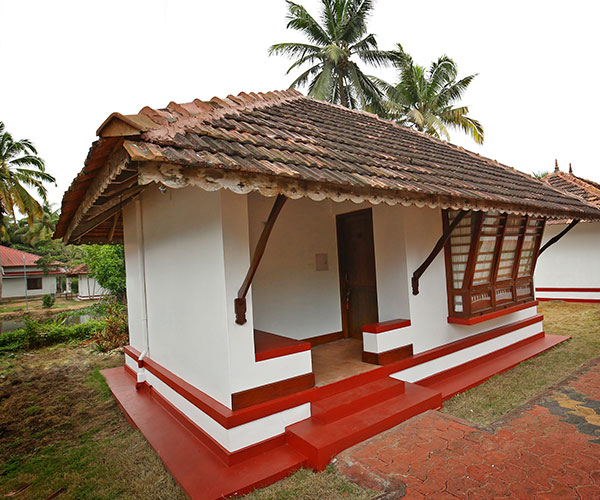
(549, 449)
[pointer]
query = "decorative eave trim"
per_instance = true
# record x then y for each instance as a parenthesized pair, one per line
(212, 179)
(115, 164)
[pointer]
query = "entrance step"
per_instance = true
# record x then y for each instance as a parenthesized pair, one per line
(463, 377)
(320, 441)
(356, 399)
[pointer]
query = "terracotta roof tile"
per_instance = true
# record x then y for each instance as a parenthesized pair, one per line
(571, 184)
(289, 136)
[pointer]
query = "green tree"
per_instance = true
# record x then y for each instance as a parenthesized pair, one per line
(540, 174)
(107, 266)
(41, 228)
(426, 99)
(21, 168)
(332, 74)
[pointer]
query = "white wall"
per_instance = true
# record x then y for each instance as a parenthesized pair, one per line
(89, 287)
(293, 299)
(196, 255)
(572, 262)
(15, 287)
(429, 309)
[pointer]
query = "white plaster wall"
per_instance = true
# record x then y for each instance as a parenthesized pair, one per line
(196, 254)
(293, 299)
(572, 262)
(429, 309)
(390, 261)
(89, 287)
(15, 287)
(187, 321)
(290, 296)
(133, 278)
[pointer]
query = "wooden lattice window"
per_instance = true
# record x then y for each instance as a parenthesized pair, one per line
(490, 259)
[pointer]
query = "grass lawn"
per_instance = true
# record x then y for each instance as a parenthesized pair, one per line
(14, 309)
(494, 398)
(61, 431)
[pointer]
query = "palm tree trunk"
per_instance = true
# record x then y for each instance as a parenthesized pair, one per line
(342, 90)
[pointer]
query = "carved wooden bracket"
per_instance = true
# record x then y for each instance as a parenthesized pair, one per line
(559, 236)
(240, 302)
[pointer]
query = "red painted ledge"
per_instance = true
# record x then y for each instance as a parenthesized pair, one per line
(229, 418)
(269, 346)
(386, 326)
(492, 315)
(583, 301)
(550, 289)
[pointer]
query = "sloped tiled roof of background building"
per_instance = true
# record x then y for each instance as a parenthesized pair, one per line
(297, 145)
(569, 183)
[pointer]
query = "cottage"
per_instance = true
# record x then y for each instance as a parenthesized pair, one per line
(301, 276)
(571, 272)
(22, 276)
(87, 286)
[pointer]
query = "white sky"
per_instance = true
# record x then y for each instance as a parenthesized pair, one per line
(68, 64)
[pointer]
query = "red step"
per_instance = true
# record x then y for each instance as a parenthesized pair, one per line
(321, 441)
(463, 377)
(356, 399)
(197, 469)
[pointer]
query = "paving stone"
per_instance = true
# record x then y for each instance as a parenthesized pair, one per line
(543, 451)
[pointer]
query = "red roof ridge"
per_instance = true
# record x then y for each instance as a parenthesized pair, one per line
(176, 117)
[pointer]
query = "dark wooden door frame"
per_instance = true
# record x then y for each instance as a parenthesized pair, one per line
(344, 311)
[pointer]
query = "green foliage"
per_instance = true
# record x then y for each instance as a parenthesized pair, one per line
(333, 44)
(541, 174)
(48, 301)
(425, 98)
(115, 332)
(107, 265)
(21, 168)
(37, 334)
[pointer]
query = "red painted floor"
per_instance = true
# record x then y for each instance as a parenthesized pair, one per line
(549, 449)
(344, 414)
(198, 471)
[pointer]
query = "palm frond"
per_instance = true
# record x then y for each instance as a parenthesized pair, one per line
(299, 19)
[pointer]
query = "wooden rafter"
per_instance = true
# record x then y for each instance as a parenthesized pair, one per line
(111, 235)
(240, 301)
(117, 161)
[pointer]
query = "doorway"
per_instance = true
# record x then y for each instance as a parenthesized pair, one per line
(358, 285)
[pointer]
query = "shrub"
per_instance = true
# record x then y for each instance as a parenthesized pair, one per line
(48, 301)
(37, 334)
(115, 332)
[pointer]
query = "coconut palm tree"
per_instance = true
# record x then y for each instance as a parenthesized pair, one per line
(333, 75)
(41, 229)
(21, 168)
(426, 99)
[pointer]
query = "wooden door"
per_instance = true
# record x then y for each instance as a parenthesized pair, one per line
(358, 286)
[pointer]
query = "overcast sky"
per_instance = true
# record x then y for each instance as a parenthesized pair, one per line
(68, 64)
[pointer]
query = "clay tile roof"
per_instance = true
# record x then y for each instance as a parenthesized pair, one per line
(571, 184)
(284, 142)
(80, 269)
(11, 257)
